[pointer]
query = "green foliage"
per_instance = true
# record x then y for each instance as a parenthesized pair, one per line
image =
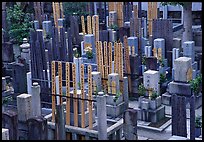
(184, 4)
(114, 27)
(96, 92)
(143, 60)
(161, 62)
(76, 53)
(79, 8)
(172, 3)
(19, 24)
(154, 95)
(117, 96)
(79, 84)
(198, 123)
(141, 90)
(162, 78)
(75, 8)
(5, 100)
(195, 84)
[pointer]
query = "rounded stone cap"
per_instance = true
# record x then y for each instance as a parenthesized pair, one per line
(100, 93)
(25, 40)
(35, 84)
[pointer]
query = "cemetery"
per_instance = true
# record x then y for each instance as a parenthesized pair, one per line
(101, 71)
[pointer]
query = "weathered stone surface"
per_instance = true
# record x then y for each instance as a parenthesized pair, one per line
(113, 82)
(160, 43)
(151, 63)
(182, 67)
(151, 79)
(7, 52)
(37, 128)
(9, 121)
(130, 124)
(145, 105)
(189, 50)
(166, 99)
(192, 117)
(24, 106)
(133, 41)
(3, 83)
(114, 111)
(179, 88)
(36, 102)
(5, 134)
(96, 81)
(102, 116)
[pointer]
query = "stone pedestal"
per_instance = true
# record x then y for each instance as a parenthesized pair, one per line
(151, 115)
(166, 99)
(150, 110)
(24, 106)
(5, 134)
(182, 69)
(133, 41)
(179, 88)
(78, 102)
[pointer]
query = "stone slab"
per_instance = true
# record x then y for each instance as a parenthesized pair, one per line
(181, 67)
(179, 88)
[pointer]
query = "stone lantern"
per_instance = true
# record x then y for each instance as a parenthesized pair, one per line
(25, 50)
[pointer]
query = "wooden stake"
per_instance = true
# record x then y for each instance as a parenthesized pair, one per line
(97, 28)
(110, 56)
(75, 95)
(68, 99)
(115, 62)
(61, 10)
(127, 62)
(60, 80)
(83, 97)
(53, 91)
(90, 96)
(89, 24)
(105, 64)
(83, 25)
(82, 101)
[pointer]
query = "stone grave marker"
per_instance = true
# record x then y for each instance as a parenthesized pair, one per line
(182, 69)
(19, 78)
(151, 63)
(7, 52)
(10, 122)
(37, 128)
(189, 50)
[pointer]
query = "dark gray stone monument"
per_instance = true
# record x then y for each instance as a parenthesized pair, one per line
(179, 127)
(7, 52)
(122, 32)
(192, 117)
(9, 121)
(163, 28)
(104, 36)
(59, 123)
(151, 63)
(37, 128)
(19, 78)
(130, 124)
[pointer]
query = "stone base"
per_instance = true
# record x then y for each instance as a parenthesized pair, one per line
(114, 111)
(166, 99)
(145, 103)
(180, 88)
(79, 118)
(151, 115)
(198, 101)
(22, 130)
(110, 99)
